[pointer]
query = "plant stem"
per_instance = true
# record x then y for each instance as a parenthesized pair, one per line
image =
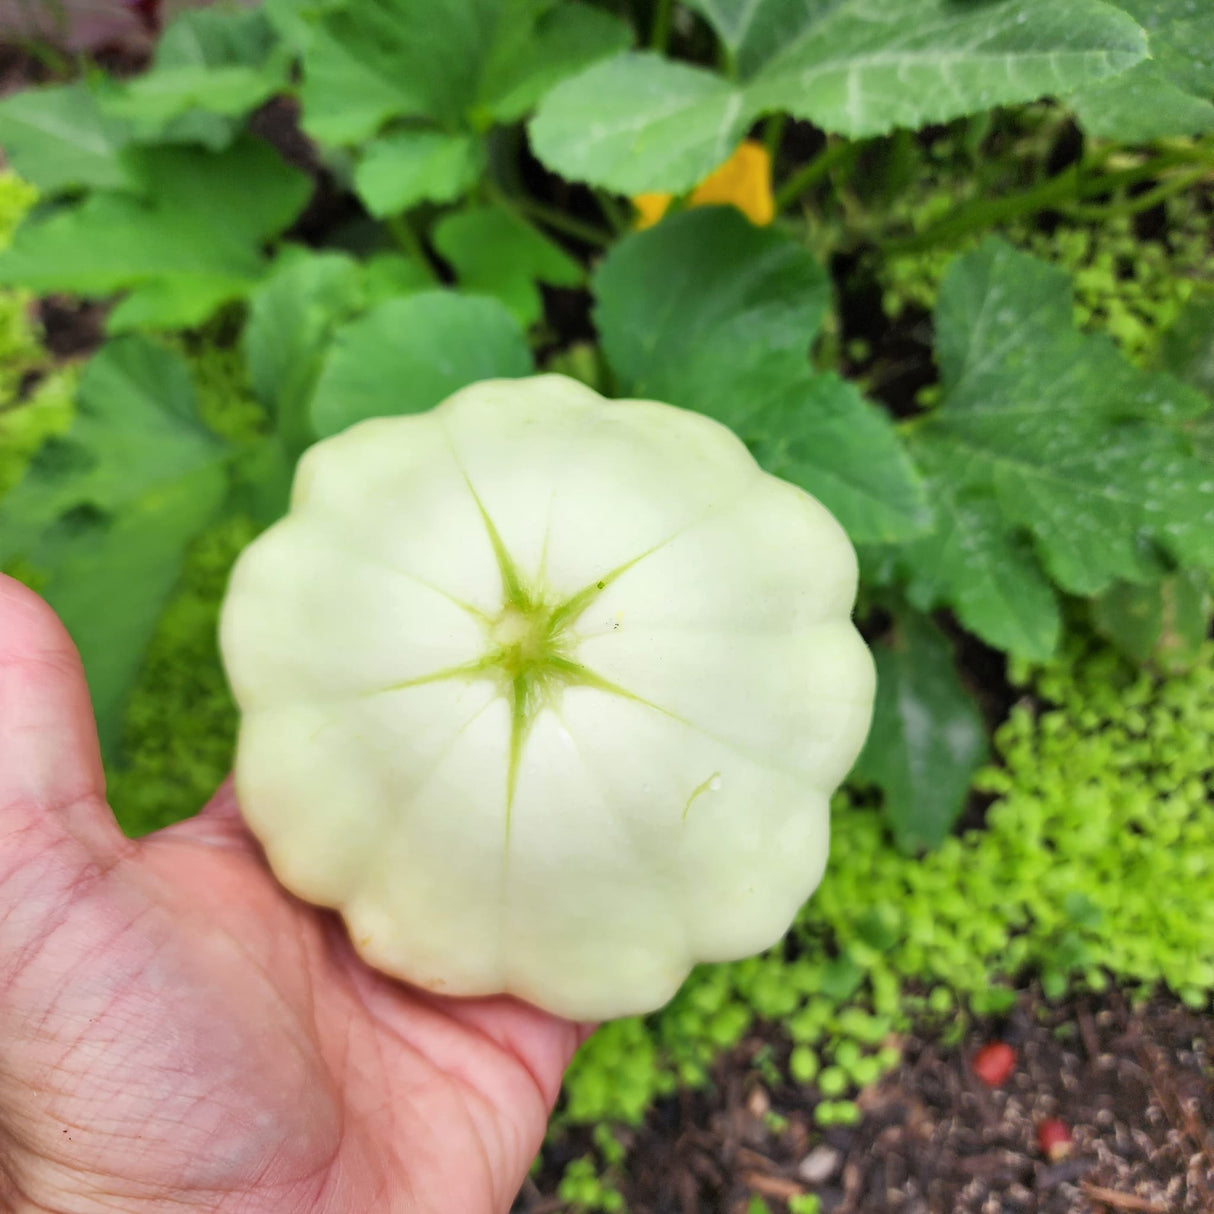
(1141, 202)
(410, 244)
(813, 172)
(773, 132)
(615, 215)
(988, 212)
(663, 15)
(1069, 186)
(1121, 178)
(556, 219)
(61, 66)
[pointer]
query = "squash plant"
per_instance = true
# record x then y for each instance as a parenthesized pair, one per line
(381, 203)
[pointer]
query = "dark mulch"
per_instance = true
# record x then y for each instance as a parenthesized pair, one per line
(1134, 1086)
(71, 328)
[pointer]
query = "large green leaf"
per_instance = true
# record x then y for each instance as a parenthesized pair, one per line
(1046, 432)
(862, 69)
(822, 434)
(104, 513)
(389, 275)
(729, 335)
(293, 20)
(407, 355)
(927, 737)
(752, 31)
(1168, 94)
(190, 240)
(292, 317)
(1164, 622)
(1187, 348)
(460, 65)
(1187, 351)
(562, 41)
(406, 167)
(640, 122)
(494, 252)
(210, 65)
(671, 317)
(58, 139)
(971, 561)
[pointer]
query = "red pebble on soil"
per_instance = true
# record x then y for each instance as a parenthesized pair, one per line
(994, 1063)
(1054, 1139)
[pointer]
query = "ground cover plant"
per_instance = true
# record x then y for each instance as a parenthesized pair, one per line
(945, 265)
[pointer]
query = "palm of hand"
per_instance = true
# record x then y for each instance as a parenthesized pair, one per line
(177, 1032)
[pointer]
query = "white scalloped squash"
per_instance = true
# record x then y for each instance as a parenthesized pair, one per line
(547, 694)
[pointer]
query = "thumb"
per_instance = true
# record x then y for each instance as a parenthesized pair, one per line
(51, 780)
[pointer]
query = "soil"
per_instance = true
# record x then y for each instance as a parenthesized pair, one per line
(1135, 1087)
(71, 328)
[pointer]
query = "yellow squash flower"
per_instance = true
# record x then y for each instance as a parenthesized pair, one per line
(650, 208)
(743, 181)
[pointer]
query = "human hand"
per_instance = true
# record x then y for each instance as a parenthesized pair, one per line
(179, 1033)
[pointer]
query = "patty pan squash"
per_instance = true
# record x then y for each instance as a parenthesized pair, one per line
(547, 694)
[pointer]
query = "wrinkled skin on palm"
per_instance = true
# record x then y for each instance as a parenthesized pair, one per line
(178, 1033)
(547, 694)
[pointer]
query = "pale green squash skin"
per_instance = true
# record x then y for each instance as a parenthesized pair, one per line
(547, 694)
